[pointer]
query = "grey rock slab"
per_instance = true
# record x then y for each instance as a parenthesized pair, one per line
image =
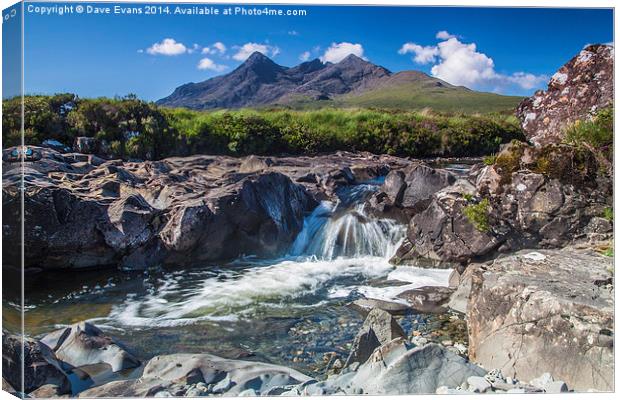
(84, 344)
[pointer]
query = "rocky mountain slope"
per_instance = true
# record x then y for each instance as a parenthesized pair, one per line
(351, 82)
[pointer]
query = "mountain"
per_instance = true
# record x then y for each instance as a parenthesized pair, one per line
(352, 82)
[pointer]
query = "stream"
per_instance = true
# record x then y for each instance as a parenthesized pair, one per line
(290, 311)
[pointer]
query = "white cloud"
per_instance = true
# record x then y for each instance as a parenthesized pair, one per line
(527, 80)
(193, 49)
(338, 51)
(220, 47)
(207, 63)
(215, 48)
(247, 49)
(423, 54)
(462, 64)
(444, 35)
(167, 47)
(305, 56)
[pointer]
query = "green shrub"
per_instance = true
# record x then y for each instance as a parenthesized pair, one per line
(478, 215)
(597, 132)
(608, 214)
(489, 160)
(138, 129)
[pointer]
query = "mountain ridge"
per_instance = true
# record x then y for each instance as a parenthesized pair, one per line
(260, 82)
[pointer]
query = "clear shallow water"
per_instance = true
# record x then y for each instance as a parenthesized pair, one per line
(288, 311)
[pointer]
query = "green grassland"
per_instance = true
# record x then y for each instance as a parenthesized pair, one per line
(132, 128)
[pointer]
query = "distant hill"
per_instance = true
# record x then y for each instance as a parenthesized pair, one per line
(353, 82)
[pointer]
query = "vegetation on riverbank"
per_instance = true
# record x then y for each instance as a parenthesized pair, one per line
(132, 128)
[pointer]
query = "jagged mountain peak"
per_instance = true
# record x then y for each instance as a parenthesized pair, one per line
(260, 81)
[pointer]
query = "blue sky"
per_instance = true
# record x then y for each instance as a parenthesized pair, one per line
(506, 50)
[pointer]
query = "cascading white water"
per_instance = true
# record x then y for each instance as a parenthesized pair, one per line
(329, 233)
(339, 248)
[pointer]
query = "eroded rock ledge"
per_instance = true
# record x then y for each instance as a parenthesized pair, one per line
(82, 211)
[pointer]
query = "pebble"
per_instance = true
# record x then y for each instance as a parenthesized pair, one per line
(447, 343)
(419, 341)
(494, 376)
(461, 348)
(223, 385)
(478, 384)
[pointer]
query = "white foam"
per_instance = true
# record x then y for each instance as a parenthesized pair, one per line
(218, 298)
(416, 278)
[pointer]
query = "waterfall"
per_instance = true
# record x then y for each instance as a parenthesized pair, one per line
(330, 232)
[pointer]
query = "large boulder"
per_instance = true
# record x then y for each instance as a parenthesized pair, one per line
(38, 362)
(444, 235)
(397, 368)
(409, 191)
(545, 311)
(84, 344)
(378, 329)
(579, 89)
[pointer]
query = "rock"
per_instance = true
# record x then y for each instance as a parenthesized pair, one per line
(85, 145)
(364, 306)
(179, 373)
(494, 377)
(422, 182)
(394, 186)
(437, 235)
(394, 369)
(379, 328)
(255, 164)
(581, 87)
(556, 387)
(40, 365)
(454, 279)
(530, 316)
(459, 300)
(419, 340)
(55, 145)
(180, 210)
(47, 391)
(84, 344)
(542, 381)
(531, 197)
(478, 384)
(428, 299)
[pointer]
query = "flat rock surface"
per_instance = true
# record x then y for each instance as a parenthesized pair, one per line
(545, 311)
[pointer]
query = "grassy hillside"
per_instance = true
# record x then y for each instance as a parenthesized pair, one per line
(421, 95)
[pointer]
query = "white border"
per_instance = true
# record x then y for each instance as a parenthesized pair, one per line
(472, 3)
